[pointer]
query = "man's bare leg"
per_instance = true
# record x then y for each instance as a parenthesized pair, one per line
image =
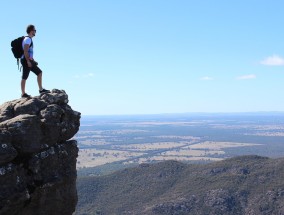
(23, 86)
(39, 81)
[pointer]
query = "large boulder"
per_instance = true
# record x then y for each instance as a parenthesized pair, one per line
(38, 156)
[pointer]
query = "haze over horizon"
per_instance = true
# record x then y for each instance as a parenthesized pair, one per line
(193, 113)
(151, 57)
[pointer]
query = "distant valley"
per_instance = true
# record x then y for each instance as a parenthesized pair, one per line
(201, 164)
(115, 142)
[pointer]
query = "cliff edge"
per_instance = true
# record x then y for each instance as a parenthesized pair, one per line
(37, 157)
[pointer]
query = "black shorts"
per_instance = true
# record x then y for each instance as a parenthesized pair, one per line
(26, 69)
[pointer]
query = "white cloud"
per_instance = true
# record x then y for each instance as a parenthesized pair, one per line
(273, 60)
(245, 77)
(89, 75)
(206, 78)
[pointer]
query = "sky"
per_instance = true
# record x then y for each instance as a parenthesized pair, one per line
(117, 57)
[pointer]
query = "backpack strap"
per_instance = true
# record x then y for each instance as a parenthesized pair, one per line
(31, 40)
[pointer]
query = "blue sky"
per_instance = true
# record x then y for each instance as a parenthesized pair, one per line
(151, 56)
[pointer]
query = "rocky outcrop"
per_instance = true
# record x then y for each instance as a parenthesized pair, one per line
(37, 157)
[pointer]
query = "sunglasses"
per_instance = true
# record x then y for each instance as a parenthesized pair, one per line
(34, 30)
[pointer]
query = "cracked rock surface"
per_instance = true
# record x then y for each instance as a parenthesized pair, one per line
(37, 157)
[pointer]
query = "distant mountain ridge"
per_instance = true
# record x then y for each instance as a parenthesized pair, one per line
(251, 185)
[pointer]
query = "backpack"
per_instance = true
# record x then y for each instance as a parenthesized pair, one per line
(17, 48)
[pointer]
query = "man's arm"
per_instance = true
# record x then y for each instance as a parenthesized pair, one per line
(26, 54)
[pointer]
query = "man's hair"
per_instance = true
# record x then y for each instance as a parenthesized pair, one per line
(30, 28)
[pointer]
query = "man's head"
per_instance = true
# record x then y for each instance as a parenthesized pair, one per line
(31, 30)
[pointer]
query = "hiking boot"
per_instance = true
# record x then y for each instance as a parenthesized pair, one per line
(26, 95)
(44, 91)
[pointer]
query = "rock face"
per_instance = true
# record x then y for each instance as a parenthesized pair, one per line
(37, 157)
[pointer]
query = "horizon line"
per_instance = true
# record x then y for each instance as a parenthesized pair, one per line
(187, 113)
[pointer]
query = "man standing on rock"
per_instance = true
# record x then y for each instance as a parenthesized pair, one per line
(29, 64)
